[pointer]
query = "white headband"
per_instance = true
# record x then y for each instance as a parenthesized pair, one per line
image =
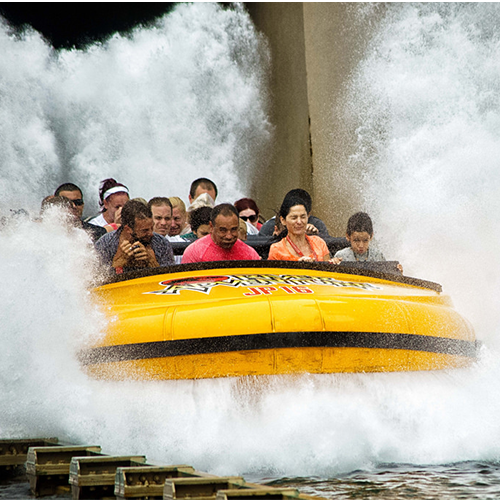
(113, 190)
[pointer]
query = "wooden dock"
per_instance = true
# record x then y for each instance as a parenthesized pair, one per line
(84, 472)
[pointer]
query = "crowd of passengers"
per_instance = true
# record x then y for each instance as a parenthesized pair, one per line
(132, 234)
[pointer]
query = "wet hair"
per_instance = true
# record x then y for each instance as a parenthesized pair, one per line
(360, 222)
(142, 200)
(104, 186)
(159, 201)
(246, 203)
(56, 201)
(177, 203)
(133, 210)
(68, 186)
(242, 229)
(288, 203)
(286, 206)
(199, 216)
(203, 182)
(303, 195)
(225, 209)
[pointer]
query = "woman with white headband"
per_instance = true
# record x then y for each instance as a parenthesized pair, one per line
(112, 197)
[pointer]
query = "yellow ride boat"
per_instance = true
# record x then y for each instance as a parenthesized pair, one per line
(232, 319)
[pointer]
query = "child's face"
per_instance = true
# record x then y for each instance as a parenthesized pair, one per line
(360, 242)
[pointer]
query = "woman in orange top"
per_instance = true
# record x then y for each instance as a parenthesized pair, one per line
(295, 244)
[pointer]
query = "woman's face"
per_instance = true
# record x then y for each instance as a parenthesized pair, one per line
(296, 220)
(113, 203)
(179, 221)
(250, 215)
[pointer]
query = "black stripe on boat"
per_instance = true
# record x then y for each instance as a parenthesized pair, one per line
(212, 345)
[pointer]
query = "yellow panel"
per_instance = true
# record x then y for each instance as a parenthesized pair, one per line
(134, 326)
(225, 364)
(221, 318)
(363, 315)
(296, 315)
(295, 360)
(278, 362)
(427, 319)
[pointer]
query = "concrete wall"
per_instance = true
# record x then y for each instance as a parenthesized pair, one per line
(315, 47)
(290, 166)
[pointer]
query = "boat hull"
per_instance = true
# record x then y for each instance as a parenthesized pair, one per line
(274, 319)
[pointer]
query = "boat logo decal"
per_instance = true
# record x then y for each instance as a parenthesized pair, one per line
(205, 284)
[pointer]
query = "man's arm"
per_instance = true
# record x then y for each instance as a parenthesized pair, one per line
(105, 251)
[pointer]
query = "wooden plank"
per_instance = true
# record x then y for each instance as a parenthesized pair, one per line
(47, 467)
(13, 452)
(258, 494)
(94, 477)
(147, 482)
(196, 488)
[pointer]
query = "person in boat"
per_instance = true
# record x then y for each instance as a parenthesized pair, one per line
(249, 213)
(315, 226)
(359, 234)
(112, 197)
(134, 245)
(65, 204)
(180, 225)
(200, 186)
(161, 208)
(242, 230)
(295, 243)
(74, 193)
(222, 243)
(199, 220)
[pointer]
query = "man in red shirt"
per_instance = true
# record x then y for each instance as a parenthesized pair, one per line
(222, 243)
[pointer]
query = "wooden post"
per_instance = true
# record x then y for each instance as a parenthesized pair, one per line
(94, 477)
(47, 467)
(199, 488)
(13, 452)
(258, 494)
(147, 482)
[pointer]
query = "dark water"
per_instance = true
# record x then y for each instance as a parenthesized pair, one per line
(390, 481)
(468, 480)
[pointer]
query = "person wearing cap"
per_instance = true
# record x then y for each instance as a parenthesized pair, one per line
(112, 197)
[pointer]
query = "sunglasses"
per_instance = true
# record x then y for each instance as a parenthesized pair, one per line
(77, 202)
(251, 218)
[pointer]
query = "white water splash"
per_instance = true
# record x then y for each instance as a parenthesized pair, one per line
(427, 98)
(155, 109)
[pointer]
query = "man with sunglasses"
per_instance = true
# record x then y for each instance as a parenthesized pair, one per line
(74, 193)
